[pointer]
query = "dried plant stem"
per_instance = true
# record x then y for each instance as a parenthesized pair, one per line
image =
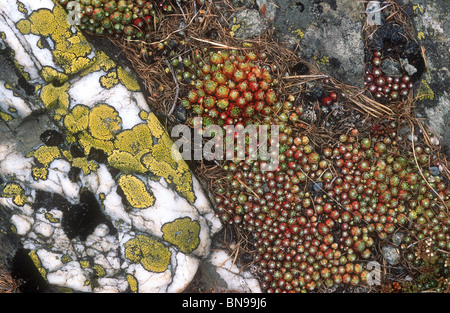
(177, 88)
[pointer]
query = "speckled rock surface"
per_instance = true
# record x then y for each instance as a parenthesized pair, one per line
(326, 32)
(88, 181)
(431, 20)
(329, 32)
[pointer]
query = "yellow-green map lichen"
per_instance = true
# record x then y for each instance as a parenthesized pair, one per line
(144, 148)
(128, 80)
(99, 270)
(15, 192)
(43, 156)
(77, 119)
(5, 117)
(104, 122)
(51, 75)
(424, 91)
(133, 283)
(147, 148)
(55, 96)
(151, 253)
(182, 232)
(51, 218)
(136, 192)
(161, 163)
(37, 263)
(71, 50)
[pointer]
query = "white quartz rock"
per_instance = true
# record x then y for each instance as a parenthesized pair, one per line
(237, 280)
(185, 269)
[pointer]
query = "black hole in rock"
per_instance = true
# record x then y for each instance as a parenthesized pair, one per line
(74, 174)
(24, 270)
(412, 52)
(81, 219)
(315, 7)
(27, 87)
(300, 6)
(387, 36)
(57, 83)
(51, 137)
(300, 68)
(97, 155)
(50, 201)
(332, 4)
(314, 94)
(121, 194)
(76, 151)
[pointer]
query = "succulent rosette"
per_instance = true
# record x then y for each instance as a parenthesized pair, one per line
(317, 219)
(385, 87)
(231, 88)
(132, 19)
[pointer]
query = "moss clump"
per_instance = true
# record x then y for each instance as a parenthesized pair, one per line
(182, 232)
(149, 252)
(424, 91)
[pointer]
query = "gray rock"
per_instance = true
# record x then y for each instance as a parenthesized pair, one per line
(9, 243)
(434, 170)
(391, 68)
(431, 21)
(180, 114)
(250, 4)
(397, 238)
(267, 8)
(391, 254)
(317, 186)
(326, 32)
(409, 68)
(247, 23)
